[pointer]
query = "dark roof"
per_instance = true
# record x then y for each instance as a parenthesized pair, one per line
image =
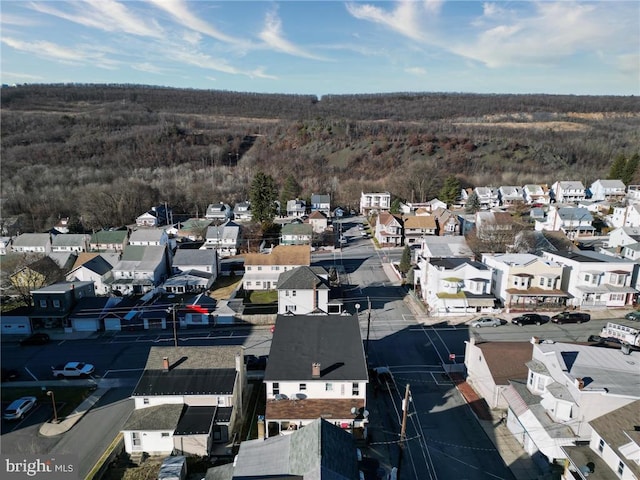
(160, 417)
(196, 421)
(455, 262)
(334, 341)
(218, 381)
(90, 307)
(594, 257)
(518, 353)
(98, 265)
(302, 278)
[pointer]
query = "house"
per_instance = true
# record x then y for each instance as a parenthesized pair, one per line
(418, 208)
(308, 377)
(224, 238)
(613, 191)
(388, 230)
(567, 386)
(188, 401)
(523, 281)
(318, 221)
(627, 216)
(16, 322)
(53, 304)
(198, 311)
(194, 271)
(263, 270)
(623, 236)
(220, 212)
(594, 279)
(296, 234)
(488, 197)
(510, 196)
(140, 269)
(303, 290)
(32, 243)
(156, 217)
(5, 244)
(633, 194)
(374, 203)
(613, 448)
(92, 267)
(319, 450)
(572, 221)
(148, 237)
(439, 247)
(88, 314)
(496, 226)
(62, 226)
(536, 194)
(296, 208)
(242, 212)
(37, 274)
(193, 229)
(418, 226)
(109, 240)
(321, 203)
(487, 371)
(70, 242)
(568, 192)
(448, 223)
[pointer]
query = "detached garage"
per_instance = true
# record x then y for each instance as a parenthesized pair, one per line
(89, 312)
(16, 322)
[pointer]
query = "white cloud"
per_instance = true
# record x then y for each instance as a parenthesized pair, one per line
(403, 19)
(46, 50)
(272, 36)
(191, 37)
(147, 67)
(416, 71)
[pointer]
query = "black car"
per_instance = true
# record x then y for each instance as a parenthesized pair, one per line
(9, 374)
(570, 317)
(529, 319)
(36, 339)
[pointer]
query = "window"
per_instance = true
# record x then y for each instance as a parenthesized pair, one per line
(328, 387)
(43, 304)
(303, 387)
(601, 445)
(355, 389)
(616, 297)
(587, 277)
(259, 269)
(56, 303)
(286, 293)
(135, 439)
(164, 434)
(145, 401)
(248, 284)
(291, 308)
(620, 468)
(542, 281)
(293, 293)
(276, 388)
(550, 282)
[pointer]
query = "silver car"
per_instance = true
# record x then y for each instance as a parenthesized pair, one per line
(486, 322)
(19, 408)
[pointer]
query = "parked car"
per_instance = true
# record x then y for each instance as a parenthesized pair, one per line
(9, 374)
(487, 322)
(73, 369)
(19, 408)
(570, 317)
(633, 316)
(343, 240)
(529, 319)
(36, 339)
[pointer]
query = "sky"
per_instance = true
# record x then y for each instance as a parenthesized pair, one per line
(327, 47)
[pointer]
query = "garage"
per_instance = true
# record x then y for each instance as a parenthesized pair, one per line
(16, 322)
(85, 324)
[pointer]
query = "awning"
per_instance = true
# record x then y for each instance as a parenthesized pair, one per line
(481, 302)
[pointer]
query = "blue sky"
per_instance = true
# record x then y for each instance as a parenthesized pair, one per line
(328, 47)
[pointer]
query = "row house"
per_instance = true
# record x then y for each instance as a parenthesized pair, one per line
(53, 304)
(487, 197)
(388, 230)
(70, 242)
(219, 212)
(263, 270)
(141, 269)
(493, 225)
(448, 223)
(308, 377)
(242, 212)
(633, 194)
(374, 203)
(595, 280)
(149, 237)
(625, 216)
(296, 208)
(321, 203)
(109, 241)
(510, 196)
(421, 208)
(437, 247)
(524, 281)
(612, 191)
(303, 290)
(574, 222)
(225, 239)
(32, 243)
(535, 194)
(296, 234)
(417, 226)
(568, 192)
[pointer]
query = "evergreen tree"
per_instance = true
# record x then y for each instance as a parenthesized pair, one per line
(630, 169)
(473, 203)
(618, 167)
(405, 260)
(290, 191)
(395, 206)
(450, 190)
(263, 195)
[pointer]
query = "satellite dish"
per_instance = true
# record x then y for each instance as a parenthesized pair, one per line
(354, 410)
(365, 414)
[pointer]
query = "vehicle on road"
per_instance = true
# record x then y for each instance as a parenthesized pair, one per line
(635, 316)
(19, 408)
(570, 317)
(343, 240)
(487, 322)
(9, 374)
(73, 369)
(625, 334)
(36, 339)
(529, 319)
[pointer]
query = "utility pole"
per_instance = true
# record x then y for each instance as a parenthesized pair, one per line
(366, 350)
(175, 331)
(405, 409)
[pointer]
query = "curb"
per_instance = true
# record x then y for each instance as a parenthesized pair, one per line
(51, 429)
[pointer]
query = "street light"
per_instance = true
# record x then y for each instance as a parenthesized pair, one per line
(53, 402)
(357, 305)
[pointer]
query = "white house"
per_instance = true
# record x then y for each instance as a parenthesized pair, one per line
(148, 237)
(627, 216)
(594, 279)
(456, 286)
(608, 190)
(633, 194)
(194, 270)
(218, 211)
(156, 217)
(418, 226)
(572, 221)
(70, 242)
(568, 192)
(318, 221)
(567, 386)
(536, 194)
(308, 377)
(623, 236)
(374, 202)
(614, 448)
(438, 247)
(94, 268)
(296, 208)
(510, 195)
(488, 197)
(140, 269)
(242, 212)
(296, 234)
(5, 243)
(526, 281)
(32, 243)
(321, 203)
(303, 290)
(388, 230)
(262, 271)
(187, 401)
(223, 238)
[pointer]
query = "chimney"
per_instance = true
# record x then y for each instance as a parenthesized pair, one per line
(535, 340)
(315, 370)
(261, 427)
(579, 383)
(165, 364)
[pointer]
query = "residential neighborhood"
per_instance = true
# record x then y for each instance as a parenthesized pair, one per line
(348, 330)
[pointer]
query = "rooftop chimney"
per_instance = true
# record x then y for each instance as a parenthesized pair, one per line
(315, 370)
(165, 364)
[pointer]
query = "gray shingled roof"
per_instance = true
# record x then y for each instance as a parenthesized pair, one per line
(301, 340)
(190, 256)
(70, 240)
(303, 278)
(146, 235)
(31, 240)
(161, 417)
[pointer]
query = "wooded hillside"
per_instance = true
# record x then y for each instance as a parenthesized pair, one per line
(106, 153)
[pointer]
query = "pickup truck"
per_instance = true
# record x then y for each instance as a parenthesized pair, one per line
(73, 369)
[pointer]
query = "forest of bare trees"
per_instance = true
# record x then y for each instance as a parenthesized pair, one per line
(106, 153)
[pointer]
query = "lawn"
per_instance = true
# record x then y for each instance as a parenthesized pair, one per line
(224, 287)
(263, 296)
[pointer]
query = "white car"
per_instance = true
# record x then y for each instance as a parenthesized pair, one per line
(19, 408)
(343, 240)
(486, 322)
(73, 369)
